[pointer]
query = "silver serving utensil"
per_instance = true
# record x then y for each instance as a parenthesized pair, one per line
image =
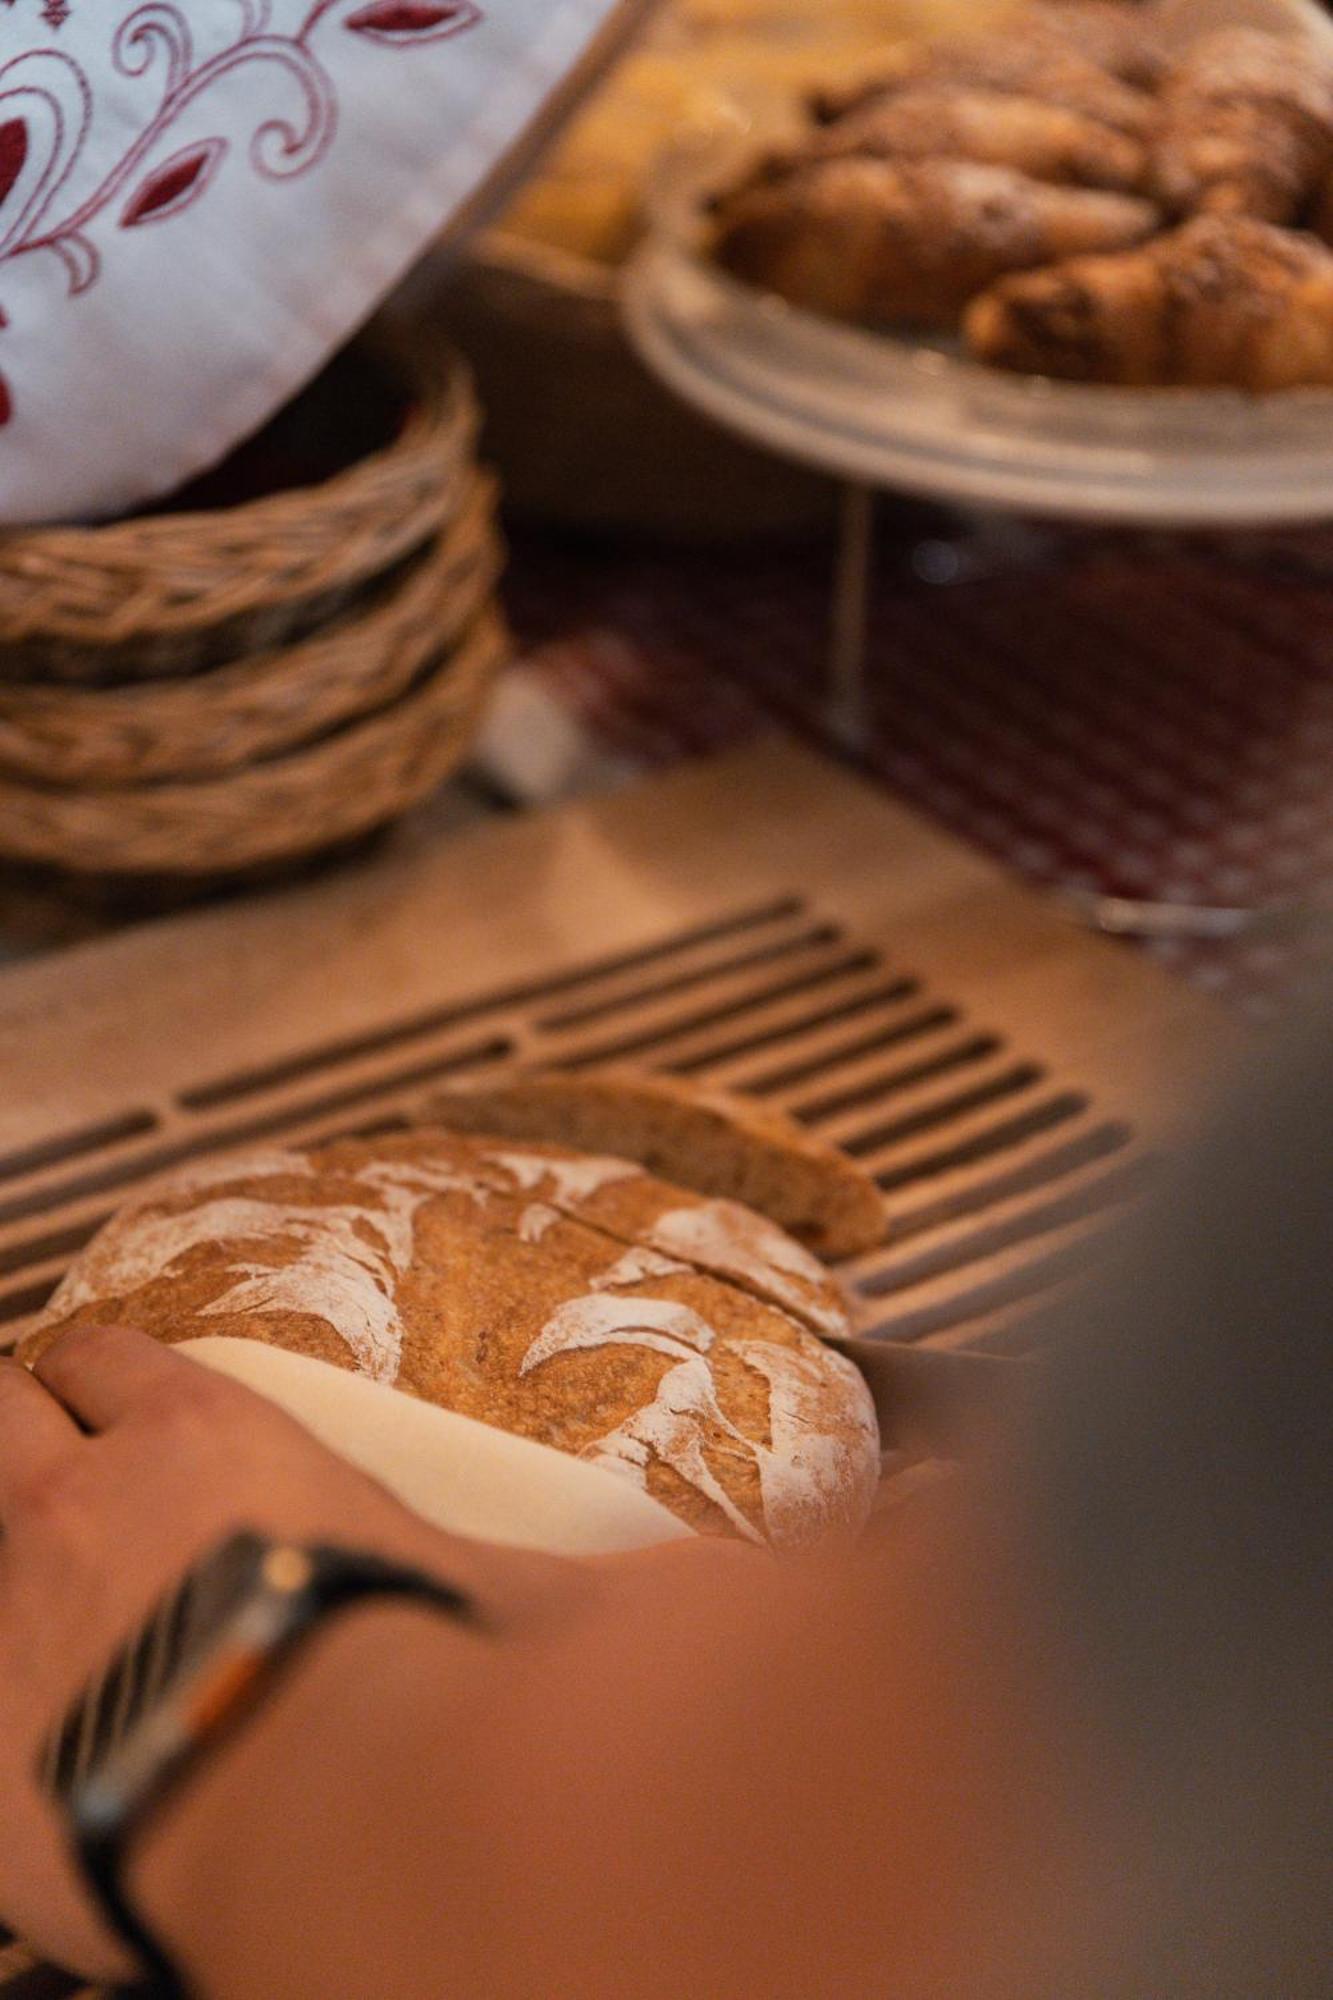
(1202, 923)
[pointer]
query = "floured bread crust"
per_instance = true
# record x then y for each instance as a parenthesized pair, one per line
(562, 1297)
(712, 1141)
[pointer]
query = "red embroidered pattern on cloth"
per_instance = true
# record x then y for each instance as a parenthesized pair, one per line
(55, 13)
(47, 106)
(1140, 718)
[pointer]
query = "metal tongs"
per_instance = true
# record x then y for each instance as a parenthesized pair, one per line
(1196, 923)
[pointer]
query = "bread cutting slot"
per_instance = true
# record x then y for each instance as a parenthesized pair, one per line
(786, 1031)
(790, 1076)
(457, 1063)
(731, 1010)
(1047, 1167)
(886, 1083)
(1011, 1288)
(1010, 1084)
(55, 1151)
(32, 1250)
(368, 1128)
(1030, 1224)
(255, 1082)
(686, 982)
(995, 1139)
(292, 1118)
(20, 1305)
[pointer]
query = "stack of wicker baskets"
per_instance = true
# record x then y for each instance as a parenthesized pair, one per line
(208, 690)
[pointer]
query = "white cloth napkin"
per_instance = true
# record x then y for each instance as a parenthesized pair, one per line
(460, 1475)
(201, 199)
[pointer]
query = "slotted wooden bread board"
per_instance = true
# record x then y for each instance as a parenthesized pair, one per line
(764, 921)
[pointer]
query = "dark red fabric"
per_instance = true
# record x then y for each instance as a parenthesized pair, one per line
(1152, 719)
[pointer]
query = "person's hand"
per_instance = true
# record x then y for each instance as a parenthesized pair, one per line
(121, 1463)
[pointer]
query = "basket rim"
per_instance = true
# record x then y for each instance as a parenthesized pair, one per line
(548, 265)
(441, 381)
(202, 725)
(158, 574)
(275, 808)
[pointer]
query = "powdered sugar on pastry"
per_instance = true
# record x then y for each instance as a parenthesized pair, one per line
(733, 1242)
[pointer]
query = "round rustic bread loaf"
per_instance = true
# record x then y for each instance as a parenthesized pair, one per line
(566, 1298)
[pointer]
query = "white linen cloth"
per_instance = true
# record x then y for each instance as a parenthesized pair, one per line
(459, 1475)
(201, 199)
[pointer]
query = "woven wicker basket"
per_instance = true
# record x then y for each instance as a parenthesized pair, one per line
(293, 655)
(208, 724)
(205, 583)
(314, 797)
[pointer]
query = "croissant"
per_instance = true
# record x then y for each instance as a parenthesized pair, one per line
(956, 122)
(1113, 33)
(1320, 218)
(896, 243)
(1029, 63)
(1222, 301)
(1246, 127)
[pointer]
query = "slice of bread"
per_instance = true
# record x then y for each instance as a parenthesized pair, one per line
(711, 1141)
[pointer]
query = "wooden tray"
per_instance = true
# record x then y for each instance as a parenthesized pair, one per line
(764, 920)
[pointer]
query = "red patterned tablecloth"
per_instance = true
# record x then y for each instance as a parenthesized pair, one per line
(1143, 718)
(1151, 719)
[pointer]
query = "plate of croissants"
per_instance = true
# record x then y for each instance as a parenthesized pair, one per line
(1079, 264)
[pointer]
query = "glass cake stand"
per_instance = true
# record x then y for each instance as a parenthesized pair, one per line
(916, 415)
(883, 413)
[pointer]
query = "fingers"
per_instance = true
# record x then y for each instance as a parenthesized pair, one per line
(35, 1433)
(104, 1374)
